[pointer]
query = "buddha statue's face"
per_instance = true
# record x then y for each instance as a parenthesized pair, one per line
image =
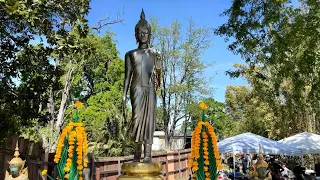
(143, 35)
(14, 170)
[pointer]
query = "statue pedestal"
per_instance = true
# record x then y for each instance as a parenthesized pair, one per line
(137, 170)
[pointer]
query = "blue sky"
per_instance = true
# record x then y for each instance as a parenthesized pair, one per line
(203, 12)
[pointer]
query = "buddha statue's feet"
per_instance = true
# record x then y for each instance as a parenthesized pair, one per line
(137, 157)
(147, 160)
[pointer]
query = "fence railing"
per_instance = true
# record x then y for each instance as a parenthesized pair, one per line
(174, 163)
(30, 151)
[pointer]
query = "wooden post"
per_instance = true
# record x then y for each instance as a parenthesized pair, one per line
(98, 171)
(167, 168)
(119, 167)
(179, 164)
(92, 168)
(46, 159)
(170, 165)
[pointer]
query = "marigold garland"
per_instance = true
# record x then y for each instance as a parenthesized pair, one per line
(205, 158)
(72, 146)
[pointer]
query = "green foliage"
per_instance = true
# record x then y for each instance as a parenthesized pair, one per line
(182, 69)
(247, 113)
(280, 45)
(26, 71)
(215, 114)
(68, 64)
(159, 124)
(98, 83)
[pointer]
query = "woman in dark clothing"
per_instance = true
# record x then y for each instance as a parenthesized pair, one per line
(317, 168)
(298, 172)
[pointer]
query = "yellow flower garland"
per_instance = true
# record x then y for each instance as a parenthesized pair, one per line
(195, 155)
(44, 172)
(82, 149)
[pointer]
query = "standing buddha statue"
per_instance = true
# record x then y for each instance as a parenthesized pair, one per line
(142, 78)
(16, 167)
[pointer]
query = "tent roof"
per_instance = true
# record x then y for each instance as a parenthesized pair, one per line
(249, 143)
(308, 143)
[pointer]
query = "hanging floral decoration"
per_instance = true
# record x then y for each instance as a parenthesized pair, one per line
(72, 149)
(204, 160)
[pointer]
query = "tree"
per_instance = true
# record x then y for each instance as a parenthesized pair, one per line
(182, 70)
(281, 58)
(248, 113)
(215, 114)
(22, 95)
(98, 83)
(37, 79)
(218, 118)
(79, 51)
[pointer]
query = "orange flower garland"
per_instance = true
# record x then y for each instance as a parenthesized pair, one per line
(76, 133)
(196, 143)
(203, 106)
(214, 143)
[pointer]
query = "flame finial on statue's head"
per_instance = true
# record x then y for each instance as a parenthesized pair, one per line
(16, 152)
(16, 160)
(260, 155)
(142, 15)
(260, 163)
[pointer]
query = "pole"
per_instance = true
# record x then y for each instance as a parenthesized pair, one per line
(301, 158)
(234, 163)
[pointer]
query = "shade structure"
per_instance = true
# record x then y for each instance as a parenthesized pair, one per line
(249, 143)
(308, 143)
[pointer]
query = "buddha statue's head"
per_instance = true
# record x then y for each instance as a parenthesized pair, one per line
(143, 30)
(16, 164)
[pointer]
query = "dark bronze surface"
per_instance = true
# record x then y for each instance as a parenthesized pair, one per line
(142, 67)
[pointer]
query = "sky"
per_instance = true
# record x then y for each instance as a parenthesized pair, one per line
(203, 13)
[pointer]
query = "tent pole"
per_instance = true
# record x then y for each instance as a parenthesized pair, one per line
(234, 167)
(234, 163)
(301, 158)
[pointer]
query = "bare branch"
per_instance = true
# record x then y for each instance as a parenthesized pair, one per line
(178, 119)
(38, 130)
(105, 22)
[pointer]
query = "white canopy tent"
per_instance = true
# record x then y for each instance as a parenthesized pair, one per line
(249, 143)
(308, 143)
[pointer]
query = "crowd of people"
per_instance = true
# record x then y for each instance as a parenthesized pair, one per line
(277, 168)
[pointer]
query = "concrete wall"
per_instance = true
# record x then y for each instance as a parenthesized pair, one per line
(159, 142)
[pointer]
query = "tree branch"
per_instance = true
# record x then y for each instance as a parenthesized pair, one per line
(105, 22)
(179, 118)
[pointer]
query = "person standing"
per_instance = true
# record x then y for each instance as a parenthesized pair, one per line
(244, 163)
(317, 168)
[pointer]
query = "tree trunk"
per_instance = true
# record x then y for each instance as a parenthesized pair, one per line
(186, 120)
(51, 105)
(170, 141)
(166, 128)
(65, 96)
(51, 100)
(166, 137)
